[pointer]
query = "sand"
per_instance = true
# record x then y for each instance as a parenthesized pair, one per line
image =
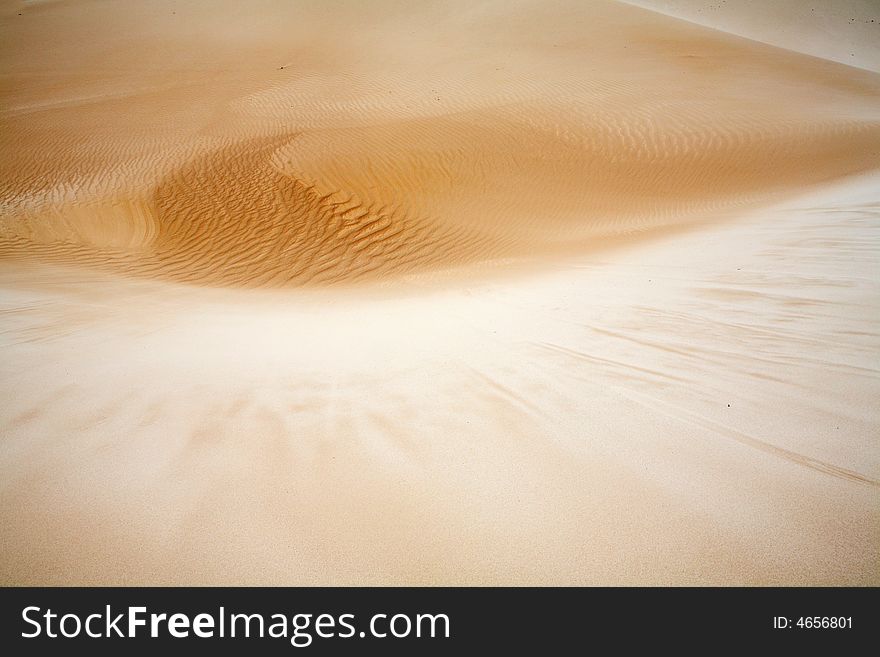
(843, 31)
(445, 293)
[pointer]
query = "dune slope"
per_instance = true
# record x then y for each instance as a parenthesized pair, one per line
(349, 162)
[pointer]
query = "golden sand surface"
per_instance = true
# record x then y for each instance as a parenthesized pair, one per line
(435, 293)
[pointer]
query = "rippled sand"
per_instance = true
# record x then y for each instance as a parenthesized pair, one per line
(330, 293)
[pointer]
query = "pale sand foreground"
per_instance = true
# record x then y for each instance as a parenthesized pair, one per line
(615, 320)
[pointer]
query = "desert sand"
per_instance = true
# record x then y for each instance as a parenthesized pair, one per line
(438, 293)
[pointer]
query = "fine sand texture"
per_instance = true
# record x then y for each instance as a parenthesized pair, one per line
(846, 31)
(533, 292)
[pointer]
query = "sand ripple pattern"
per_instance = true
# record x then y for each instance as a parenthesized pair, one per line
(385, 153)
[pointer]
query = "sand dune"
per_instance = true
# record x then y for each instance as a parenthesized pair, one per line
(354, 167)
(843, 31)
(532, 292)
